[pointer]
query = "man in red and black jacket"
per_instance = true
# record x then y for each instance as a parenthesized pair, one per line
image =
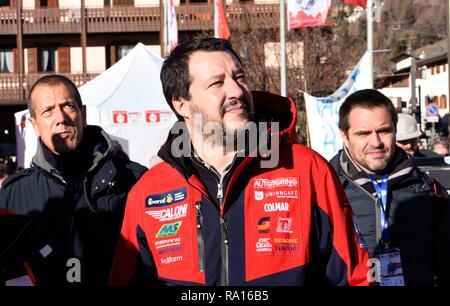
(230, 199)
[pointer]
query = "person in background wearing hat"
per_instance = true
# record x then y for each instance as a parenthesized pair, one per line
(408, 137)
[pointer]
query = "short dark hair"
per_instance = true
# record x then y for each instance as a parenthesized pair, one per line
(175, 76)
(53, 80)
(368, 99)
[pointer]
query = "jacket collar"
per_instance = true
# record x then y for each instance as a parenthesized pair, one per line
(102, 145)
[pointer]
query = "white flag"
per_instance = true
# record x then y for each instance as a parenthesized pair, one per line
(173, 29)
(323, 113)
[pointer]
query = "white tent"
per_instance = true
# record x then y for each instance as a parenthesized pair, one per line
(126, 101)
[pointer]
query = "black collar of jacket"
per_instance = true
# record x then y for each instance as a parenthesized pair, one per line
(93, 150)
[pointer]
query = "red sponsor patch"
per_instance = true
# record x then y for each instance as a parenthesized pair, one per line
(152, 116)
(120, 117)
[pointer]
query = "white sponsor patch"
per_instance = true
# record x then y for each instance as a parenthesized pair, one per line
(259, 195)
(284, 225)
(263, 245)
(171, 259)
(171, 213)
(278, 182)
(279, 206)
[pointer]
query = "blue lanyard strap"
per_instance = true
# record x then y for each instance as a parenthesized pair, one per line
(382, 196)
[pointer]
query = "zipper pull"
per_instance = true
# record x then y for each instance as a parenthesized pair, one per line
(219, 191)
(198, 214)
(225, 230)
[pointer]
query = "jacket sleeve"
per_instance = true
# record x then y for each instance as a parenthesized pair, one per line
(345, 261)
(441, 239)
(132, 263)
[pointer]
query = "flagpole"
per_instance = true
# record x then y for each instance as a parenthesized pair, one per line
(166, 29)
(216, 20)
(283, 87)
(369, 11)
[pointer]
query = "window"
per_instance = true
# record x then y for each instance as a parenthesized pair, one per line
(4, 2)
(6, 61)
(123, 50)
(47, 62)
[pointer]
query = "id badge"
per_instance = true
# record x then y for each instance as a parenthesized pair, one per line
(391, 273)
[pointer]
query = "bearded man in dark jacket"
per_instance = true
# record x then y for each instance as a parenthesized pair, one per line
(398, 209)
(77, 186)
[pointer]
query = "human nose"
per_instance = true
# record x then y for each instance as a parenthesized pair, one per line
(60, 116)
(234, 90)
(375, 140)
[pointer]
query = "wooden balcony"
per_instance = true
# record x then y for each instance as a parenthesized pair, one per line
(10, 88)
(192, 17)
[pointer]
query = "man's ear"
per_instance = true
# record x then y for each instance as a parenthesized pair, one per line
(35, 128)
(344, 136)
(181, 106)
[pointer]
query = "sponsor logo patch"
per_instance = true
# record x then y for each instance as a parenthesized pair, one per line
(286, 248)
(171, 259)
(278, 182)
(284, 225)
(263, 245)
(167, 198)
(167, 242)
(259, 195)
(286, 240)
(169, 229)
(279, 206)
(170, 250)
(172, 213)
(264, 225)
(281, 194)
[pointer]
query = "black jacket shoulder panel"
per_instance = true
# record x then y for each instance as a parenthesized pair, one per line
(17, 176)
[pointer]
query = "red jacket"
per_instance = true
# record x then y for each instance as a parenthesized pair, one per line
(288, 225)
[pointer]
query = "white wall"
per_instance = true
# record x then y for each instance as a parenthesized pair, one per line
(28, 4)
(95, 59)
(155, 49)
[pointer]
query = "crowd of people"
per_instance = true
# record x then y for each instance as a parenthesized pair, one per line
(231, 199)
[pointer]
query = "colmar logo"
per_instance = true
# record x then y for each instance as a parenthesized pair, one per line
(280, 206)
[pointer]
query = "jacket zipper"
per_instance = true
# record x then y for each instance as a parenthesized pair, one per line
(224, 252)
(224, 275)
(200, 241)
(377, 206)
